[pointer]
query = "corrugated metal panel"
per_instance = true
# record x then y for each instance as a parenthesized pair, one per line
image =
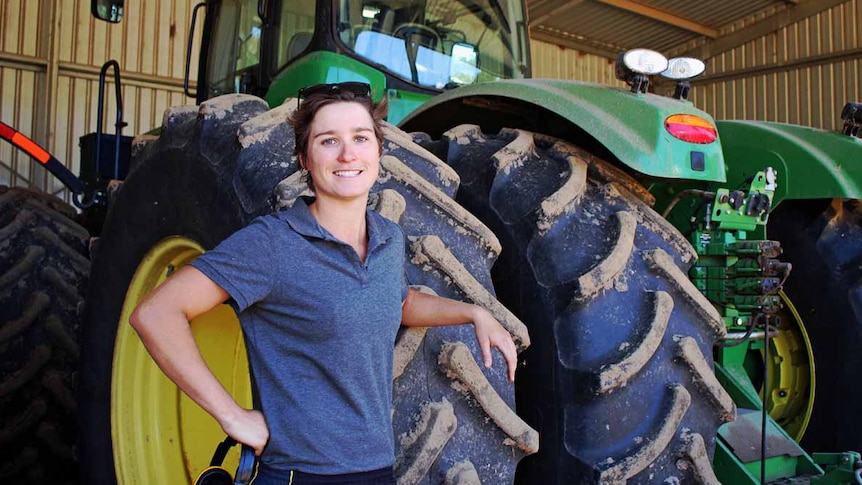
(19, 21)
(17, 108)
(21, 69)
(802, 74)
(50, 90)
(551, 61)
(151, 39)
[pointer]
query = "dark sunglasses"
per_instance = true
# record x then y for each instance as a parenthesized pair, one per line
(357, 88)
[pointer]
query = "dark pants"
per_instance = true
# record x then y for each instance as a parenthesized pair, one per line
(266, 476)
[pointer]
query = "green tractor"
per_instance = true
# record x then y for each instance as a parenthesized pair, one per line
(628, 241)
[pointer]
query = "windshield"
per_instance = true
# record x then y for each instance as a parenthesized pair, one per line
(438, 43)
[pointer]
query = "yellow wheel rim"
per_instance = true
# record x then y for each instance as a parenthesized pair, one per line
(791, 386)
(159, 435)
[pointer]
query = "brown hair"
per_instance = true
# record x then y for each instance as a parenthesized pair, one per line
(302, 117)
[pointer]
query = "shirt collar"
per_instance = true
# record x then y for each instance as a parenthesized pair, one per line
(300, 219)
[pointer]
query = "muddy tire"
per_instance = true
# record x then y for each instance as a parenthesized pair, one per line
(43, 272)
(823, 241)
(215, 168)
(618, 380)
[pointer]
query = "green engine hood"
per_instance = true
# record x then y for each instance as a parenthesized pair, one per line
(611, 122)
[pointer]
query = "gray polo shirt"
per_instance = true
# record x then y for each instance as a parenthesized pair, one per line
(319, 326)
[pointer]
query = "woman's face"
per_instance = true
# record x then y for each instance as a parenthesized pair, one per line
(343, 154)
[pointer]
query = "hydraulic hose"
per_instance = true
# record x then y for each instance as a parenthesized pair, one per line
(734, 343)
(703, 194)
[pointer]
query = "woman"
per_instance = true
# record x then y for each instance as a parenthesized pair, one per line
(320, 292)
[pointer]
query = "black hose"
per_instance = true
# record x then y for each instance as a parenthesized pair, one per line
(748, 331)
(703, 194)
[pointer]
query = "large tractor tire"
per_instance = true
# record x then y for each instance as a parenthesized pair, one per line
(823, 241)
(43, 272)
(211, 171)
(618, 380)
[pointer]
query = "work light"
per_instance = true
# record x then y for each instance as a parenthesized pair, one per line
(635, 66)
(681, 69)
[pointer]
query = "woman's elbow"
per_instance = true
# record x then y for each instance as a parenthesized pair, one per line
(142, 317)
(136, 320)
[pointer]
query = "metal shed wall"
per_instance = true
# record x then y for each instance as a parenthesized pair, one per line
(51, 52)
(557, 62)
(803, 73)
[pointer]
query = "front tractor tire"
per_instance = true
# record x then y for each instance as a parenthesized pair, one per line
(619, 379)
(212, 170)
(43, 273)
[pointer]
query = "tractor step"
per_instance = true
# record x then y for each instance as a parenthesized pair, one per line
(739, 447)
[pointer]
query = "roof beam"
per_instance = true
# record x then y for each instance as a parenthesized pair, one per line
(662, 16)
(773, 23)
(554, 11)
(570, 42)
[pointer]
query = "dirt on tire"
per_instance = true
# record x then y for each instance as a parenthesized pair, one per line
(618, 380)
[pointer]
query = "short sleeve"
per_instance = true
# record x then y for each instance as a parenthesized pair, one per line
(242, 264)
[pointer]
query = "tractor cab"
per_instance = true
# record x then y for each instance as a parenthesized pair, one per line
(413, 49)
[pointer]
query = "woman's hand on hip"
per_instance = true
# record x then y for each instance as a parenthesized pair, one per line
(249, 428)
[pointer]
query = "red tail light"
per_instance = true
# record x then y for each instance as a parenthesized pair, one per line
(690, 128)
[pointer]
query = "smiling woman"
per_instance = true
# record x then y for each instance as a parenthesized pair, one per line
(320, 292)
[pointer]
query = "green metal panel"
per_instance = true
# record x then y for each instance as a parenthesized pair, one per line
(735, 380)
(730, 470)
(630, 126)
(811, 163)
(327, 67)
(322, 67)
(840, 468)
(402, 103)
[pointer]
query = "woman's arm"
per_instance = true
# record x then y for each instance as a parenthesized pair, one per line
(162, 322)
(423, 310)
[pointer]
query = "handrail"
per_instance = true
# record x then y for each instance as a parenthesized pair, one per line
(119, 124)
(189, 50)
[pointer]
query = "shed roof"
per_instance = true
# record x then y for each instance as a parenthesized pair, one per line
(672, 27)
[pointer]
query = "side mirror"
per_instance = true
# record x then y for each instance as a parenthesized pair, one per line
(107, 10)
(462, 64)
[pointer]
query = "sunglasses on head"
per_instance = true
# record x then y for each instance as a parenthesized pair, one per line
(357, 88)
